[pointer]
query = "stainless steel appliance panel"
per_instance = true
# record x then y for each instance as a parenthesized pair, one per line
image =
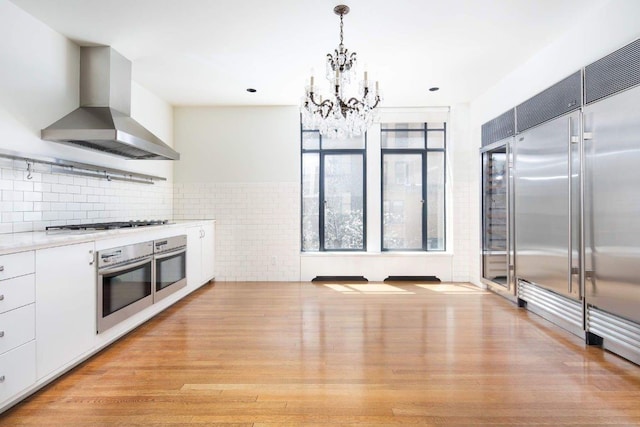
(612, 207)
(125, 277)
(170, 257)
(542, 205)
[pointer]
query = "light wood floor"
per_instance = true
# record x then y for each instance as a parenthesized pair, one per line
(267, 354)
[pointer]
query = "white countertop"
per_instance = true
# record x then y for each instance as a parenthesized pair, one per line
(19, 242)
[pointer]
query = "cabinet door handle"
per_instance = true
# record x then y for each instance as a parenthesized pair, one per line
(1, 267)
(1, 334)
(91, 257)
(1, 297)
(2, 379)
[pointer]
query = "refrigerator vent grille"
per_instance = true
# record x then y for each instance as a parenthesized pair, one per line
(614, 73)
(559, 99)
(560, 310)
(499, 128)
(619, 335)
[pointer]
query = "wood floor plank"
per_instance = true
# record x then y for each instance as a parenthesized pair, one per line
(277, 354)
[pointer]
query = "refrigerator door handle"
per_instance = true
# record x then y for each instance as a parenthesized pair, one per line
(575, 200)
(588, 273)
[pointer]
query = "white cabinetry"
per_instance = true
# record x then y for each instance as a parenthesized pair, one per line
(200, 254)
(65, 305)
(18, 370)
(17, 329)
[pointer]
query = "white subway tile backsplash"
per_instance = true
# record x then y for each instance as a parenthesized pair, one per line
(65, 179)
(24, 226)
(32, 216)
(6, 184)
(11, 174)
(12, 216)
(6, 206)
(254, 223)
(58, 188)
(50, 197)
(50, 216)
(57, 199)
(65, 197)
(73, 189)
(32, 196)
(50, 178)
(22, 206)
(17, 196)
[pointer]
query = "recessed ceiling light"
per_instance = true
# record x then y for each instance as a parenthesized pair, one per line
(251, 90)
(434, 89)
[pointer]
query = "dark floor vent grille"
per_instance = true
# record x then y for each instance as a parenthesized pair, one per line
(499, 128)
(412, 279)
(561, 98)
(614, 73)
(339, 279)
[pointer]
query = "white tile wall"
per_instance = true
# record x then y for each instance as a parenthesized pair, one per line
(50, 198)
(257, 227)
(465, 213)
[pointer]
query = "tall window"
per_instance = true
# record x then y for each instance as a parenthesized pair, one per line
(413, 186)
(333, 193)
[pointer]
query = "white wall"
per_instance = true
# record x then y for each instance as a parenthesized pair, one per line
(237, 144)
(39, 83)
(241, 166)
(614, 25)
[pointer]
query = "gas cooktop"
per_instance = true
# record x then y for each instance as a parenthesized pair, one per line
(108, 225)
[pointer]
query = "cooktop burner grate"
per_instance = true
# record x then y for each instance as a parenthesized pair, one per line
(108, 225)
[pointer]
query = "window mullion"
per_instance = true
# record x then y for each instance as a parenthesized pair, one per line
(425, 204)
(321, 204)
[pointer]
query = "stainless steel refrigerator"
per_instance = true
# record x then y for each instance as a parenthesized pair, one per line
(612, 201)
(547, 203)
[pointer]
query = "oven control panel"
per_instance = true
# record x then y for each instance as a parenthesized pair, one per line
(124, 254)
(170, 244)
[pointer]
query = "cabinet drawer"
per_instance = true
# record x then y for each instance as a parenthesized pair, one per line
(18, 264)
(17, 327)
(17, 370)
(17, 292)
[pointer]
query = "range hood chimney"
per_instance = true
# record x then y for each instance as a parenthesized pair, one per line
(103, 120)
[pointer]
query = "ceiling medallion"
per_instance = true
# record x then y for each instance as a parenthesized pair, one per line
(346, 112)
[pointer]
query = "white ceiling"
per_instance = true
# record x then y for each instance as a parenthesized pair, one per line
(208, 52)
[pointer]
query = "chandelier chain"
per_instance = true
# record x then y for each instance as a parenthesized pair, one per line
(341, 30)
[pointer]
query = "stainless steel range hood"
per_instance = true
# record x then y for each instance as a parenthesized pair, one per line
(103, 120)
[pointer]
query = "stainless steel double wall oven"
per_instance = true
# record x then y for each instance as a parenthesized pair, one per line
(572, 212)
(133, 277)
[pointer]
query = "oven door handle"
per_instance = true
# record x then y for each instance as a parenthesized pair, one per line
(170, 254)
(125, 267)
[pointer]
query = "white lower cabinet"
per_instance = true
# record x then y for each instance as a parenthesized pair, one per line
(17, 292)
(65, 305)
(14, 265)
(17, 370)
(17, 327)
(200, 254)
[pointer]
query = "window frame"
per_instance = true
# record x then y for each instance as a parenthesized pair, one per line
(424, 152)
(322, 153)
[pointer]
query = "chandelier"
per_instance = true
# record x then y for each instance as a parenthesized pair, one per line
(345, 113)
